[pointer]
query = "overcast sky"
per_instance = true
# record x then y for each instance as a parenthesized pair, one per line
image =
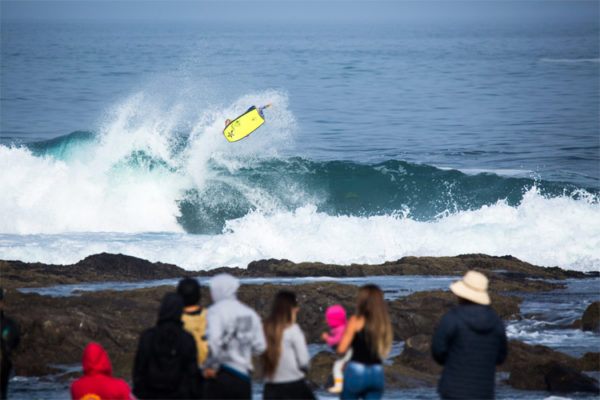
(293, 10)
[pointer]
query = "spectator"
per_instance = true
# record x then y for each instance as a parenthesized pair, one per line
(336, 319)
(369, 335)
(97, 382)
(194, 317)
(9, 340)
(165, 365)
(285, 361)
(234, 334)
(469, 342)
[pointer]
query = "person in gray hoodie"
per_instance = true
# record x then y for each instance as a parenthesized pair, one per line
(469, 342)
(234, 333)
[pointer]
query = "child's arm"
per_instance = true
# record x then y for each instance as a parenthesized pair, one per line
(348, 335)
(325, 336)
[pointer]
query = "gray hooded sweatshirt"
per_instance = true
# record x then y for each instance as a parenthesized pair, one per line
(234, 330)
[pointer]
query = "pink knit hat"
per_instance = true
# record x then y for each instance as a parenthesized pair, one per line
(336, 316)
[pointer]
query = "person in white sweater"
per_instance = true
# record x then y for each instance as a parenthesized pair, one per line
(285, 362)
(234, 334)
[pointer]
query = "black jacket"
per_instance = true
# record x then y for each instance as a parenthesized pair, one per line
(469, 342)
(9, 336)
(165, 365)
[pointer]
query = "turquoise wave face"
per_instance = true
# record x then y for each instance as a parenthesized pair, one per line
(339, 188)
(233, 186)
(65, 147)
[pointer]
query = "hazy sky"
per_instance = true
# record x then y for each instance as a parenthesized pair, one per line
(293, 10)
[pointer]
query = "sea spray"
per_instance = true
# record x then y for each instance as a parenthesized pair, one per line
(537, 231)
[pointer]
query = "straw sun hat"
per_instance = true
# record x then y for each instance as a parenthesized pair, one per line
(472, 287)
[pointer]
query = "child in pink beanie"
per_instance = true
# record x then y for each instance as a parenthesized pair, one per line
(336, 319)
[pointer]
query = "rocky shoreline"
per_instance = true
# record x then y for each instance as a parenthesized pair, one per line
(56, 329)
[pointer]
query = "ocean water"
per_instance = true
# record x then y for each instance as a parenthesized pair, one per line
(415, 135)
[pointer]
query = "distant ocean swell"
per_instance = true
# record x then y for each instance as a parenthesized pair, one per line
(64, 198)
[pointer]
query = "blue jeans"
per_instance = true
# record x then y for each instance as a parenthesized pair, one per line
(362, 380)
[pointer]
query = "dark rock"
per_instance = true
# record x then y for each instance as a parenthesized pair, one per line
(320, 371)
(97, 268)
(510, 270)
(566, 380)
(400, 376)
(417, 355)
(540, 368)
(589, 362)
(590, 321)
(521, 354)
(420, 312)
(507, 274)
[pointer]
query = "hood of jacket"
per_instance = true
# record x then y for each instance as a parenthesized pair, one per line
(336, 316)
(171, 308)
(223, 287)
(95, 360)
(478, 318)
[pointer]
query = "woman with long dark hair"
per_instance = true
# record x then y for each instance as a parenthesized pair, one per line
(369, 334)
(285, 361)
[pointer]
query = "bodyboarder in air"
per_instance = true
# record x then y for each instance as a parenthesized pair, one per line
(260, 111)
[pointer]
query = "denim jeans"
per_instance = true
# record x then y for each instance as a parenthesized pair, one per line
(362, 380)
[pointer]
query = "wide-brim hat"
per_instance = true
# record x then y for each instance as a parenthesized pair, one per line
(473, 286)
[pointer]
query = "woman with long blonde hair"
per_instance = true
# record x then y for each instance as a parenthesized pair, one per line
(285, 361)
(369, 334)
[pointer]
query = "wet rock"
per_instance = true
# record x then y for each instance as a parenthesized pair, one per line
(417, 355)
(541, 368)
(320, 371)
(509, 270)
(589, 362)
(401, 376)
(56, 330)
(420, 312)
(590, 321)
(567, 380)
(102, 267)
(507, 274)
(521, 354)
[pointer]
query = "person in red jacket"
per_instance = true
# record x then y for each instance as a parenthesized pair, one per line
(97, 382)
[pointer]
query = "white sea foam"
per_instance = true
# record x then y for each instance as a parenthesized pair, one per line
(45, 195)
(550, 232)
(574, 342)
(497, 171)
(95, 190)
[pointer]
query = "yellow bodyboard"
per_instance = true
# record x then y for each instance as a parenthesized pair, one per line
(243, 125)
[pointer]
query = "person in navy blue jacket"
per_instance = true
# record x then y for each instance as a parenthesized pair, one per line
(469, 342)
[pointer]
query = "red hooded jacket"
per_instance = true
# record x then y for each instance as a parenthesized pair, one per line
(98, 383)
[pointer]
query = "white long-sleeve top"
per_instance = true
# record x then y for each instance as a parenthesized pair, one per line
(294, 356)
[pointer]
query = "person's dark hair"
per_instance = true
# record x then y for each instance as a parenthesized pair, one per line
(189, 290)
(281, 317)
(464, 302)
